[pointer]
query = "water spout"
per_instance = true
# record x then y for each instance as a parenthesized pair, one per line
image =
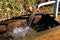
(20, 31)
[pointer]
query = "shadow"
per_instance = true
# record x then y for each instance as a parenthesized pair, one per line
(44, 23)
(5, 22)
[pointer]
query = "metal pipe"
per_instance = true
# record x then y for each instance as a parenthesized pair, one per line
(45, 3)
(55, 8)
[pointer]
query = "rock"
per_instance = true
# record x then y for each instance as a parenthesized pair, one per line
(2, 28)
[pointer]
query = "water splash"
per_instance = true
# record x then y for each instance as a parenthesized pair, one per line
(20, 31)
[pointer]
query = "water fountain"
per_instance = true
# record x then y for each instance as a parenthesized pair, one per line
(19, 31)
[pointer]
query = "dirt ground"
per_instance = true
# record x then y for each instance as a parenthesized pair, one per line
(58, 19)
(50, 34)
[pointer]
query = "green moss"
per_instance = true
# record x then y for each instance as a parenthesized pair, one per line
(1, 3)
(14, 5)
(4, 15)
(15, 9)
(30, 1)
(14, 13)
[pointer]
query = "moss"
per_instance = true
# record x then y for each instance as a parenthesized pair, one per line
(14, 6)
(14, 13)
(30, 1)
(1, 3)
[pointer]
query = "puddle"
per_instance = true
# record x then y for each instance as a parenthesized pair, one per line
(46, 22)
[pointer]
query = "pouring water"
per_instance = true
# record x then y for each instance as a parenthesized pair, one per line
(20, 31)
